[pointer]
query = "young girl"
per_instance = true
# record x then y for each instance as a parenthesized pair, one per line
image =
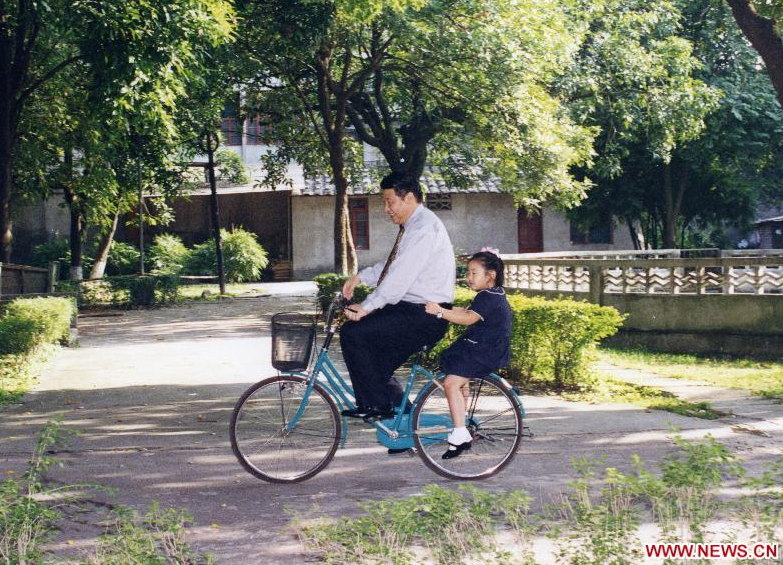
(483, 348)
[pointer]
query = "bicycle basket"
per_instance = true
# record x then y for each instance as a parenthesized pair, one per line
(292, 341)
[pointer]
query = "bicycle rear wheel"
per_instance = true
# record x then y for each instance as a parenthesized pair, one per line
(493, 419)
(265, 443)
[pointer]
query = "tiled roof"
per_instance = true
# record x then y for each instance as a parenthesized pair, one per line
(431, 182)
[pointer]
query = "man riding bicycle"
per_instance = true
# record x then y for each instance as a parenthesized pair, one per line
(392, 324)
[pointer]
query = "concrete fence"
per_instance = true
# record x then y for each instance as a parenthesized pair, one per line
(23, 279)
(731, 302)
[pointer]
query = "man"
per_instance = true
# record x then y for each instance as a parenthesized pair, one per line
(391, 324)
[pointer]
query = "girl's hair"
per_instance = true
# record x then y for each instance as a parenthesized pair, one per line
(490, 262)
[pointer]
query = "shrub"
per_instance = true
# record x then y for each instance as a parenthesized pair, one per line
(30, 322)
(243, 256)
(146, 290)
(330, 283)
(123, 259)
(57, 250)
(168, 255)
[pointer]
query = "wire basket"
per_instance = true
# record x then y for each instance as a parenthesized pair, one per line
(292, 341)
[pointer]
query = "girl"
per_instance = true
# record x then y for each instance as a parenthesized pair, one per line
(483, 348)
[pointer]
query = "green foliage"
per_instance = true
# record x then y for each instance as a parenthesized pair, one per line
(167, 254)
(244, 258)
(52, 251)
(157, 537)
(30, 322)
(331, 283)
(123, 259)
(453, 526)
(130, 291)
(145, 290)
(230, 167)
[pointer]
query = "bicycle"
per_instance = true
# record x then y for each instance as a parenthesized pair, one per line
(287, 428)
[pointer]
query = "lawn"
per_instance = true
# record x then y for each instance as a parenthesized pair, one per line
(764, 378)
(196, 291)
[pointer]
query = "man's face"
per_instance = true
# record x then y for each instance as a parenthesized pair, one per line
(398, 209)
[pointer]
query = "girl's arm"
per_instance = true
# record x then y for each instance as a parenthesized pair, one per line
(460, 316)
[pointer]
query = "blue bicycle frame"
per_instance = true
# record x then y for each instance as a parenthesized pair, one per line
(334, 384)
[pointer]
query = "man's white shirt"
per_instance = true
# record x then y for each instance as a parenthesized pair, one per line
(423, 270)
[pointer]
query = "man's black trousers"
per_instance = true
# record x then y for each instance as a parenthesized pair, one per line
(375, 346)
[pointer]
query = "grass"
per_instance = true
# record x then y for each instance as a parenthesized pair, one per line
(764, 378)
(605, 389)
(19, 372)
(196, 291)
(603, 518)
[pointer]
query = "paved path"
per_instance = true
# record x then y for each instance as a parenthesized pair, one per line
(152, 392)
(751, 413)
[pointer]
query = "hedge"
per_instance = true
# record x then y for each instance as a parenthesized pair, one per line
(550, 339)
(29, 322)
(128, 291)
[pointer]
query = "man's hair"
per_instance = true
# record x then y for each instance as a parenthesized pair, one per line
(402, 184)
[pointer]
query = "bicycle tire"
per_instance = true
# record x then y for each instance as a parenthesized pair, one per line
(494, 419)
(262, 444)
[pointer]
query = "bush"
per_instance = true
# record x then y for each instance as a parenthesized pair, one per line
(331, 283)
(52, 251)
(30, 322)
(136, 291)
(123, 259)
(549, 338)
(243, 256)
(168, 255)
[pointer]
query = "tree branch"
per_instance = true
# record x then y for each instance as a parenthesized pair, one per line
(46, 76)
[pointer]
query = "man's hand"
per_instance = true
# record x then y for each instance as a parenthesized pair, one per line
(432, 308)
(350, 285)
(355, 312)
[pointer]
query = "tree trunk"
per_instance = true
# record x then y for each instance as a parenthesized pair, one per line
(76, 231)
(102, 254)
(634, 234)
(215, 213)
(670, 218)
(5, 201)
(765, 38)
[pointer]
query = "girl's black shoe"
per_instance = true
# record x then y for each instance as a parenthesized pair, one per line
(455, 450)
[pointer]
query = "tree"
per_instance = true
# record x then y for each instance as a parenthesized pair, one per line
(760, 22)
(126, 46)
(466, 87)
(715, 178)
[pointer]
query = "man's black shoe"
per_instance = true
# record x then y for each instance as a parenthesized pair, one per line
(358, 412)
(376, 413)
(398, 451)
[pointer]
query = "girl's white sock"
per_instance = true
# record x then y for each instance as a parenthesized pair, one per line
(459, 436)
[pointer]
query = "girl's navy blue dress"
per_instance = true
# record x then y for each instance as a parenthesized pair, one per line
(485, 346)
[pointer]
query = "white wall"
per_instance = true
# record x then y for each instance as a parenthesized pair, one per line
(557, 235)
(489, 220)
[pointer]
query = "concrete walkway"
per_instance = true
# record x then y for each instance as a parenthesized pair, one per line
(751, 413)
(152, 392)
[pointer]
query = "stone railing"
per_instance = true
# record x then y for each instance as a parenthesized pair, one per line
(661, 275)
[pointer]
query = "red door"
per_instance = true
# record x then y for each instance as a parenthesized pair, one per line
(530, 232)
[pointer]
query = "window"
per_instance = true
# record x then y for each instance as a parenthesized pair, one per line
(599, 233)
(360, 222)
(231, 125)
(439, 201)
(257, 129)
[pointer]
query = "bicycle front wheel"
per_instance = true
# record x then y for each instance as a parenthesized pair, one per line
(493, 419)
(276, 441)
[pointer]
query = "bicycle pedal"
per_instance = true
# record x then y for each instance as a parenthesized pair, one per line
(526, 432)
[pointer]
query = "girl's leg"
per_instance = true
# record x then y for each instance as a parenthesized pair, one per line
(456, 393)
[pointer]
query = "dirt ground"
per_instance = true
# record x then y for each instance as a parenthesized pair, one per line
(152, 392)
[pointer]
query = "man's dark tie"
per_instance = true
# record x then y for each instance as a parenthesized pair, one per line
(392, 255)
